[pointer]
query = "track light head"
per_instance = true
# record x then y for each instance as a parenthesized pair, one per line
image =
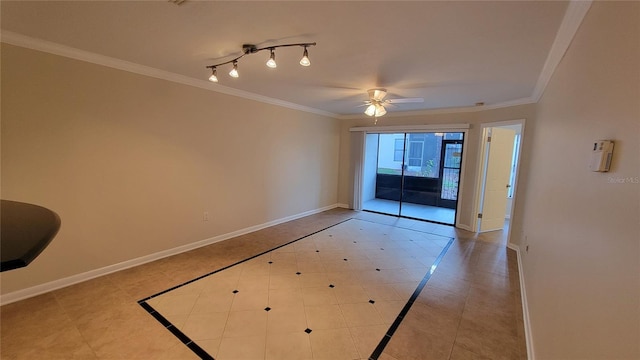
(234, 72)
(305, 58)
(272, 59)
(214, 75)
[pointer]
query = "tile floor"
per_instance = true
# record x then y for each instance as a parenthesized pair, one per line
(469, 309)
(344, 285)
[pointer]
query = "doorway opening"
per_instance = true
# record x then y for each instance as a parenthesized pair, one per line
(413, 174)
(498, 172)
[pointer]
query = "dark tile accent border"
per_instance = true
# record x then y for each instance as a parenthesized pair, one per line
(177, 332)
(385, 340)
(376, 353)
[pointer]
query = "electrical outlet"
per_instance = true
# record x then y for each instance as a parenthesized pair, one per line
(205, 216)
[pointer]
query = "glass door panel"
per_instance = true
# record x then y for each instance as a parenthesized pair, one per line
(420, 186)
(451, 171)
(387, 177)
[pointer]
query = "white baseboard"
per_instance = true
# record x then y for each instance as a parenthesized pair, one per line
(78, 278)
(343, 206)
(525, 305)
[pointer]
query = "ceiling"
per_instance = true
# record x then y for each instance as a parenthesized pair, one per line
(453, 54)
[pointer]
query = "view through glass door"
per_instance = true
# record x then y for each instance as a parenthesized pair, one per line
(414, 175)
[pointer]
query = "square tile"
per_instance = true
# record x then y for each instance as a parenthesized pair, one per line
(245, 347)
(288, 346)
(246, 323)
(248, 300)
(351, 294)
(361, 314)
(335, 344)
(319, 296)
(205, 326)
(284, 281)
(324, 317)
(286, 320)
(289, 298)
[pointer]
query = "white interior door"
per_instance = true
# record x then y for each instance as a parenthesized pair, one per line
(494, 203)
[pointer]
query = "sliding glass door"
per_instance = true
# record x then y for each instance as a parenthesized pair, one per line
(413, 174)
(384, 161)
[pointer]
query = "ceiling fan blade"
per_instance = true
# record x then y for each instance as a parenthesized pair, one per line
(405, 100)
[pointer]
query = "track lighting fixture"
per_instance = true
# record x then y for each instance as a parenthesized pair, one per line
(252, 49)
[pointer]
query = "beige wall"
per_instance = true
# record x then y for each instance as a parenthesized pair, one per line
(130, 163)
(583, 228)
(475, 119)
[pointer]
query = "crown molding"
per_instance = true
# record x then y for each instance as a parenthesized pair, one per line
(447, 110)
(575, 13)
(77, 54)
(573, 16)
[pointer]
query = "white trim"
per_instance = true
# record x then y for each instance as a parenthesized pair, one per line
(447, 110)
(343, 206)
(359, 159)
(77, 54)
(463, 171)
(463, 227)
(573, 16)
(78, 278)
(482, 163)
(409, 128)
(525, 305)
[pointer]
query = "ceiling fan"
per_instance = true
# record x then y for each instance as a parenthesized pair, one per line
(376, 103)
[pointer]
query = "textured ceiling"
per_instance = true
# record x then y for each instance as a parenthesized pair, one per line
(452, 54)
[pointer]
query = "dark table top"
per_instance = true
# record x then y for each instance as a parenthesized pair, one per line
(25, 230)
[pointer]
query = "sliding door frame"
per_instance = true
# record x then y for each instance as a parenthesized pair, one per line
(358, 173)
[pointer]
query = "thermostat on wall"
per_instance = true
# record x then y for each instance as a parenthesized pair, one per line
(601, 155)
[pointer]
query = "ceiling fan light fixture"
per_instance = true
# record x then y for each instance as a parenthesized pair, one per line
(214, 75)
(370, 110)
(305, 58)
(375, 104)
(234, 72)
(272, 60)
(377, 94)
